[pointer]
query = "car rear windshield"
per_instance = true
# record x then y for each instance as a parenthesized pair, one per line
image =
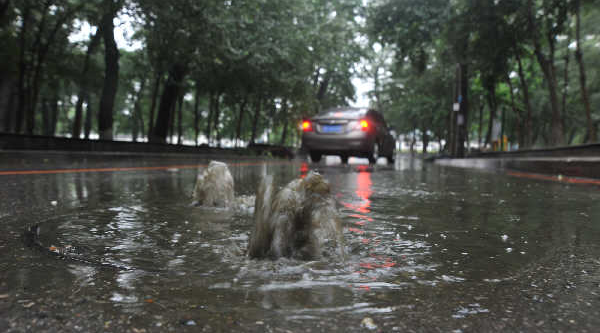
(341, 113)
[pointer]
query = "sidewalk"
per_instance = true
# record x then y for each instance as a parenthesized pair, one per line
(577, 161)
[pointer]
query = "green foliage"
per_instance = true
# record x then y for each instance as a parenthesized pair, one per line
(426, 39)
(301, 52)
(280, 61)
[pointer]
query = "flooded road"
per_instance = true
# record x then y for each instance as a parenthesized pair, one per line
(429, 249)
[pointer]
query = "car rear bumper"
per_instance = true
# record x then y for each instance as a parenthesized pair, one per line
(350, 143)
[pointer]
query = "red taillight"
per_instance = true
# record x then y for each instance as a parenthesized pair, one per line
(364, 125)
(306, 126)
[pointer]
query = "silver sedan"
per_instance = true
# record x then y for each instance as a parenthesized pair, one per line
(348, 132)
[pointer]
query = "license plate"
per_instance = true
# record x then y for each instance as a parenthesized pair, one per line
(332, 128)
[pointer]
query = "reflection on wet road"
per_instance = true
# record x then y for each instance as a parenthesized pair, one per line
(429, 249)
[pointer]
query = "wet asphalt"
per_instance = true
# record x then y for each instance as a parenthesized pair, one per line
(430, 249)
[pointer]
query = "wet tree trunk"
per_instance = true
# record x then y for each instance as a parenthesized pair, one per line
(493, 105)
(413, 141)
(10, 108)
(87, 127)
(111, 77)
(22, 85)
(53, 115)
(45, 117)
(217, 116)
(3, 10)
(172, 122)
(464, 110)
(84, 84)
(155, 90)
(547, 64)
(284, 134)
(36, 65)
(241, 112)
(323, 89)
(211, 108)
(179, 120)
(425, 138)
(196, 113)
(137, 113)
(257, 107)
(528, 139)
(592, 132)
(565, 87)
(167, 100)
(480, 131)
(284, 112)
(519, 124)
(41, 47)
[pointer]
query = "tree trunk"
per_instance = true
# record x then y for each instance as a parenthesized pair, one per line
(54, 115)
(527, 132)
(242, 111)
(284, 112)
(196, 113)
(565, 89)
(323, 90)
(179, 120)
(22, 87)
(592, 132)
(111, 77)
(84, 84)
(257, 107)
(167, 100)
(87, 127)
(211, 107)
(547, 65)
(155, 90)
(413, 141)
(9, 107)
(136, 117)
(217, 117)
(3, 10)
(481, 107)
(492, 103)
(42, 46)
(172, 121)
(464, 110)
(519, 124)
(425, 138)
(45, 118)
(284, 134)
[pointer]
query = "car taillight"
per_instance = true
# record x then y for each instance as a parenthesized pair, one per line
(306, 126)
(364, 125)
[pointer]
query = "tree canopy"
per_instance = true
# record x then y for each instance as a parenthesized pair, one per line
(245, 71)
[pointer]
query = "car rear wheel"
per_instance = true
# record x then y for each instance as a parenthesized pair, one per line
(315, 156)
(374, 154)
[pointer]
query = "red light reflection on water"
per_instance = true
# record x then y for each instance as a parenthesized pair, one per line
(362, 217)
(363, 191)
(303, 169)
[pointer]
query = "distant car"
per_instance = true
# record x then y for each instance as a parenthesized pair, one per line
(348, 132)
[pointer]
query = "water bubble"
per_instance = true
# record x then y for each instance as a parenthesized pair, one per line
(368, 323)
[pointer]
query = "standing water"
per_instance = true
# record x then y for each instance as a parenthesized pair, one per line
(428, 248)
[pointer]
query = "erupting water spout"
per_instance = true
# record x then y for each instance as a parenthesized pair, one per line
(300, 221)
(214, 187)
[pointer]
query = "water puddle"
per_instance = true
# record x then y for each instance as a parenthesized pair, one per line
(410, 233)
